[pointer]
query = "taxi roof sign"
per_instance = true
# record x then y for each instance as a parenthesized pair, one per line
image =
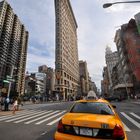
(92, 95)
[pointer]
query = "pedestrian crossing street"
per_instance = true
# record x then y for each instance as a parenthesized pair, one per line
(51, 117)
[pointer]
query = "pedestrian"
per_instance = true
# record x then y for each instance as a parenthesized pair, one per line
(6, 104)
(15, 105)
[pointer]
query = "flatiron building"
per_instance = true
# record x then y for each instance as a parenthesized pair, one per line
(66, 50)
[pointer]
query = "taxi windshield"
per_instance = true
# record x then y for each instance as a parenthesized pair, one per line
(92, 107)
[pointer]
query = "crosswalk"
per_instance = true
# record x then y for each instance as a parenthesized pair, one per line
(51, 117)
(131, 117)
(36, 117)
(37, 106)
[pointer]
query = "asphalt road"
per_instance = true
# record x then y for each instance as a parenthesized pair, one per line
(39, 121)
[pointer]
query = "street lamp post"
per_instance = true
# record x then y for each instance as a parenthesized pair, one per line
(106, 5)
(10, 83)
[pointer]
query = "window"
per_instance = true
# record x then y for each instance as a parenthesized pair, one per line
(92, 107)
(58, 82)
(138, 50)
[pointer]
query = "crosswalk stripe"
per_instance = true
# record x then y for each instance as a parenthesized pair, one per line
(22, 116)
(126, 128)
(136, 116)
(131, 120)
(56, 120)
(40, 117)
(4, 116)
(32, 117)
(49, 118)
(34, 106)
(13, 116)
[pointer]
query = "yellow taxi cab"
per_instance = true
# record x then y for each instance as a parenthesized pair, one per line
(91, 120)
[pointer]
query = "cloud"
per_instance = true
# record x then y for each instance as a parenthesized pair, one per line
(96, 29)
(38, 18)
(34, 61)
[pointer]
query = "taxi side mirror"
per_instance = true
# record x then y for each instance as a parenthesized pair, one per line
(114, 106)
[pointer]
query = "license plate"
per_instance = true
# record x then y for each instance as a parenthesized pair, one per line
(86, 131)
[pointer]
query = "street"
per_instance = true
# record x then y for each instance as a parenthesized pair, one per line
(39, 121)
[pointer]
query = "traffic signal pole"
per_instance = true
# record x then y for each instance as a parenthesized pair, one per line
(10, 83)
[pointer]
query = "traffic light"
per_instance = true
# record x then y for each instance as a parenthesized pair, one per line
(1, 83)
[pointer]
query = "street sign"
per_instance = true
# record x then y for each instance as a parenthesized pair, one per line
(11, 80)
(6, 81)
(9, 77)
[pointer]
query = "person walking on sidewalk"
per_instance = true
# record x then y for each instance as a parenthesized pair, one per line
(6, 104)
(15, 104)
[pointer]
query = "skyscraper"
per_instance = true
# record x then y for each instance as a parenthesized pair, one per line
(50, 78)
(84, 77)
(13, 47)
(66, 52)
(111, 61)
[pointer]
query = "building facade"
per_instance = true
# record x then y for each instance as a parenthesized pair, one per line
(50, 79)
(124, 85)
(131, 42)
(66, 51)
(13, 48)
(93, 87)
(43, 69)
(111, 60)
(40, 83)
(105, 83)
(84, 78)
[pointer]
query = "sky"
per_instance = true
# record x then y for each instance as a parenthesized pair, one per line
(96, 30)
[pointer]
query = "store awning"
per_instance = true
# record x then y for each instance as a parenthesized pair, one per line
(123, 85)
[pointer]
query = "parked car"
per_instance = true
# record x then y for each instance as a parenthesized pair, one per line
(114, 98)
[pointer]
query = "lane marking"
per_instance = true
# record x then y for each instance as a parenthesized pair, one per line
(126, 128)
(43, 133)
(23, 116)
(35, 106)
(56, 120)
(41, 117)
(31, 117)
(9, 115)
(135, 115)
(131, 120)
(49, 118)
(13, 116)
